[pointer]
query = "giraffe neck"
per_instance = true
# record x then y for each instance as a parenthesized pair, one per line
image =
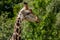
(17, 30)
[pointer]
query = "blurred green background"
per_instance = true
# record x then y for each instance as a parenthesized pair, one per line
(48, 12)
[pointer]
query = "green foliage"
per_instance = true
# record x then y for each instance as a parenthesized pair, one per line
(48, 12)
(6, 26)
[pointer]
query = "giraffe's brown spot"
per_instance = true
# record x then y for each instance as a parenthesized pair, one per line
(19, 38)
(17, 30)
(17, 24)
(20, 31)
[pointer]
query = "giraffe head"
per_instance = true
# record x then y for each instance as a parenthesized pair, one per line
(28, 15)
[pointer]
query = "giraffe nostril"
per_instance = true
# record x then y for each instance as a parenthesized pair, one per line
(37, 21)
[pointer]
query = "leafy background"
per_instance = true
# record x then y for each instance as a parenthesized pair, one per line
(48, 12)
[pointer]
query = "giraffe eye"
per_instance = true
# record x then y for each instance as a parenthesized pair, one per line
(27, 13)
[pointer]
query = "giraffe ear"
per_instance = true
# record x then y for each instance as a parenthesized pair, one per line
(30, 10)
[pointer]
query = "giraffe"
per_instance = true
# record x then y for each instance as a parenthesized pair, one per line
(24, 14)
